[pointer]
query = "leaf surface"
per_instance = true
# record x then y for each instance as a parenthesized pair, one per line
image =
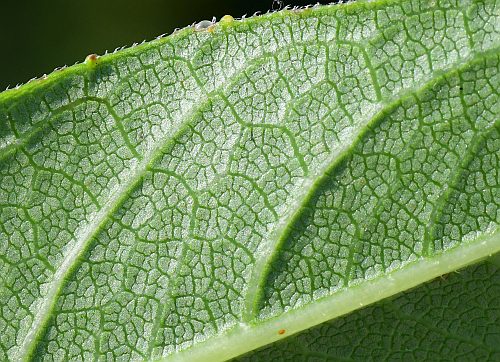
(454, 317)
(193, 197)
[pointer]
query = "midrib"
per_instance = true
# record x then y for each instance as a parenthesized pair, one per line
(244, 338)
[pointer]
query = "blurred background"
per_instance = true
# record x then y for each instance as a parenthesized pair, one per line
(38, 36)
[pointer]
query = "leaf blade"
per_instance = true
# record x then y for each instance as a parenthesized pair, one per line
(212, 115)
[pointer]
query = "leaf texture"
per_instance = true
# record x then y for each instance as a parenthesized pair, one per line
(453, 318)
(193, 197)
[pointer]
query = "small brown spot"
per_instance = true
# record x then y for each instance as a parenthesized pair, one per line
(91, 59)
(281, 331)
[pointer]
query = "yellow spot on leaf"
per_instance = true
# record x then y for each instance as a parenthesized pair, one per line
(226, 19)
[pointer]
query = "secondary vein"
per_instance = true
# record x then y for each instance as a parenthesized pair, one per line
(269, 251)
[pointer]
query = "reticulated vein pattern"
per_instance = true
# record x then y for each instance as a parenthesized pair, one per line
(168, 193)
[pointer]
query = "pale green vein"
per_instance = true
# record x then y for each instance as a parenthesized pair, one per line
(25, 138)
(83, 241)
(454, 179)
(163, 307)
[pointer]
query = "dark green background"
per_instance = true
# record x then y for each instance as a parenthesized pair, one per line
(39, 35)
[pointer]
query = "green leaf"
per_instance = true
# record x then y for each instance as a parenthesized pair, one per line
(453, 318)
(205, 194)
